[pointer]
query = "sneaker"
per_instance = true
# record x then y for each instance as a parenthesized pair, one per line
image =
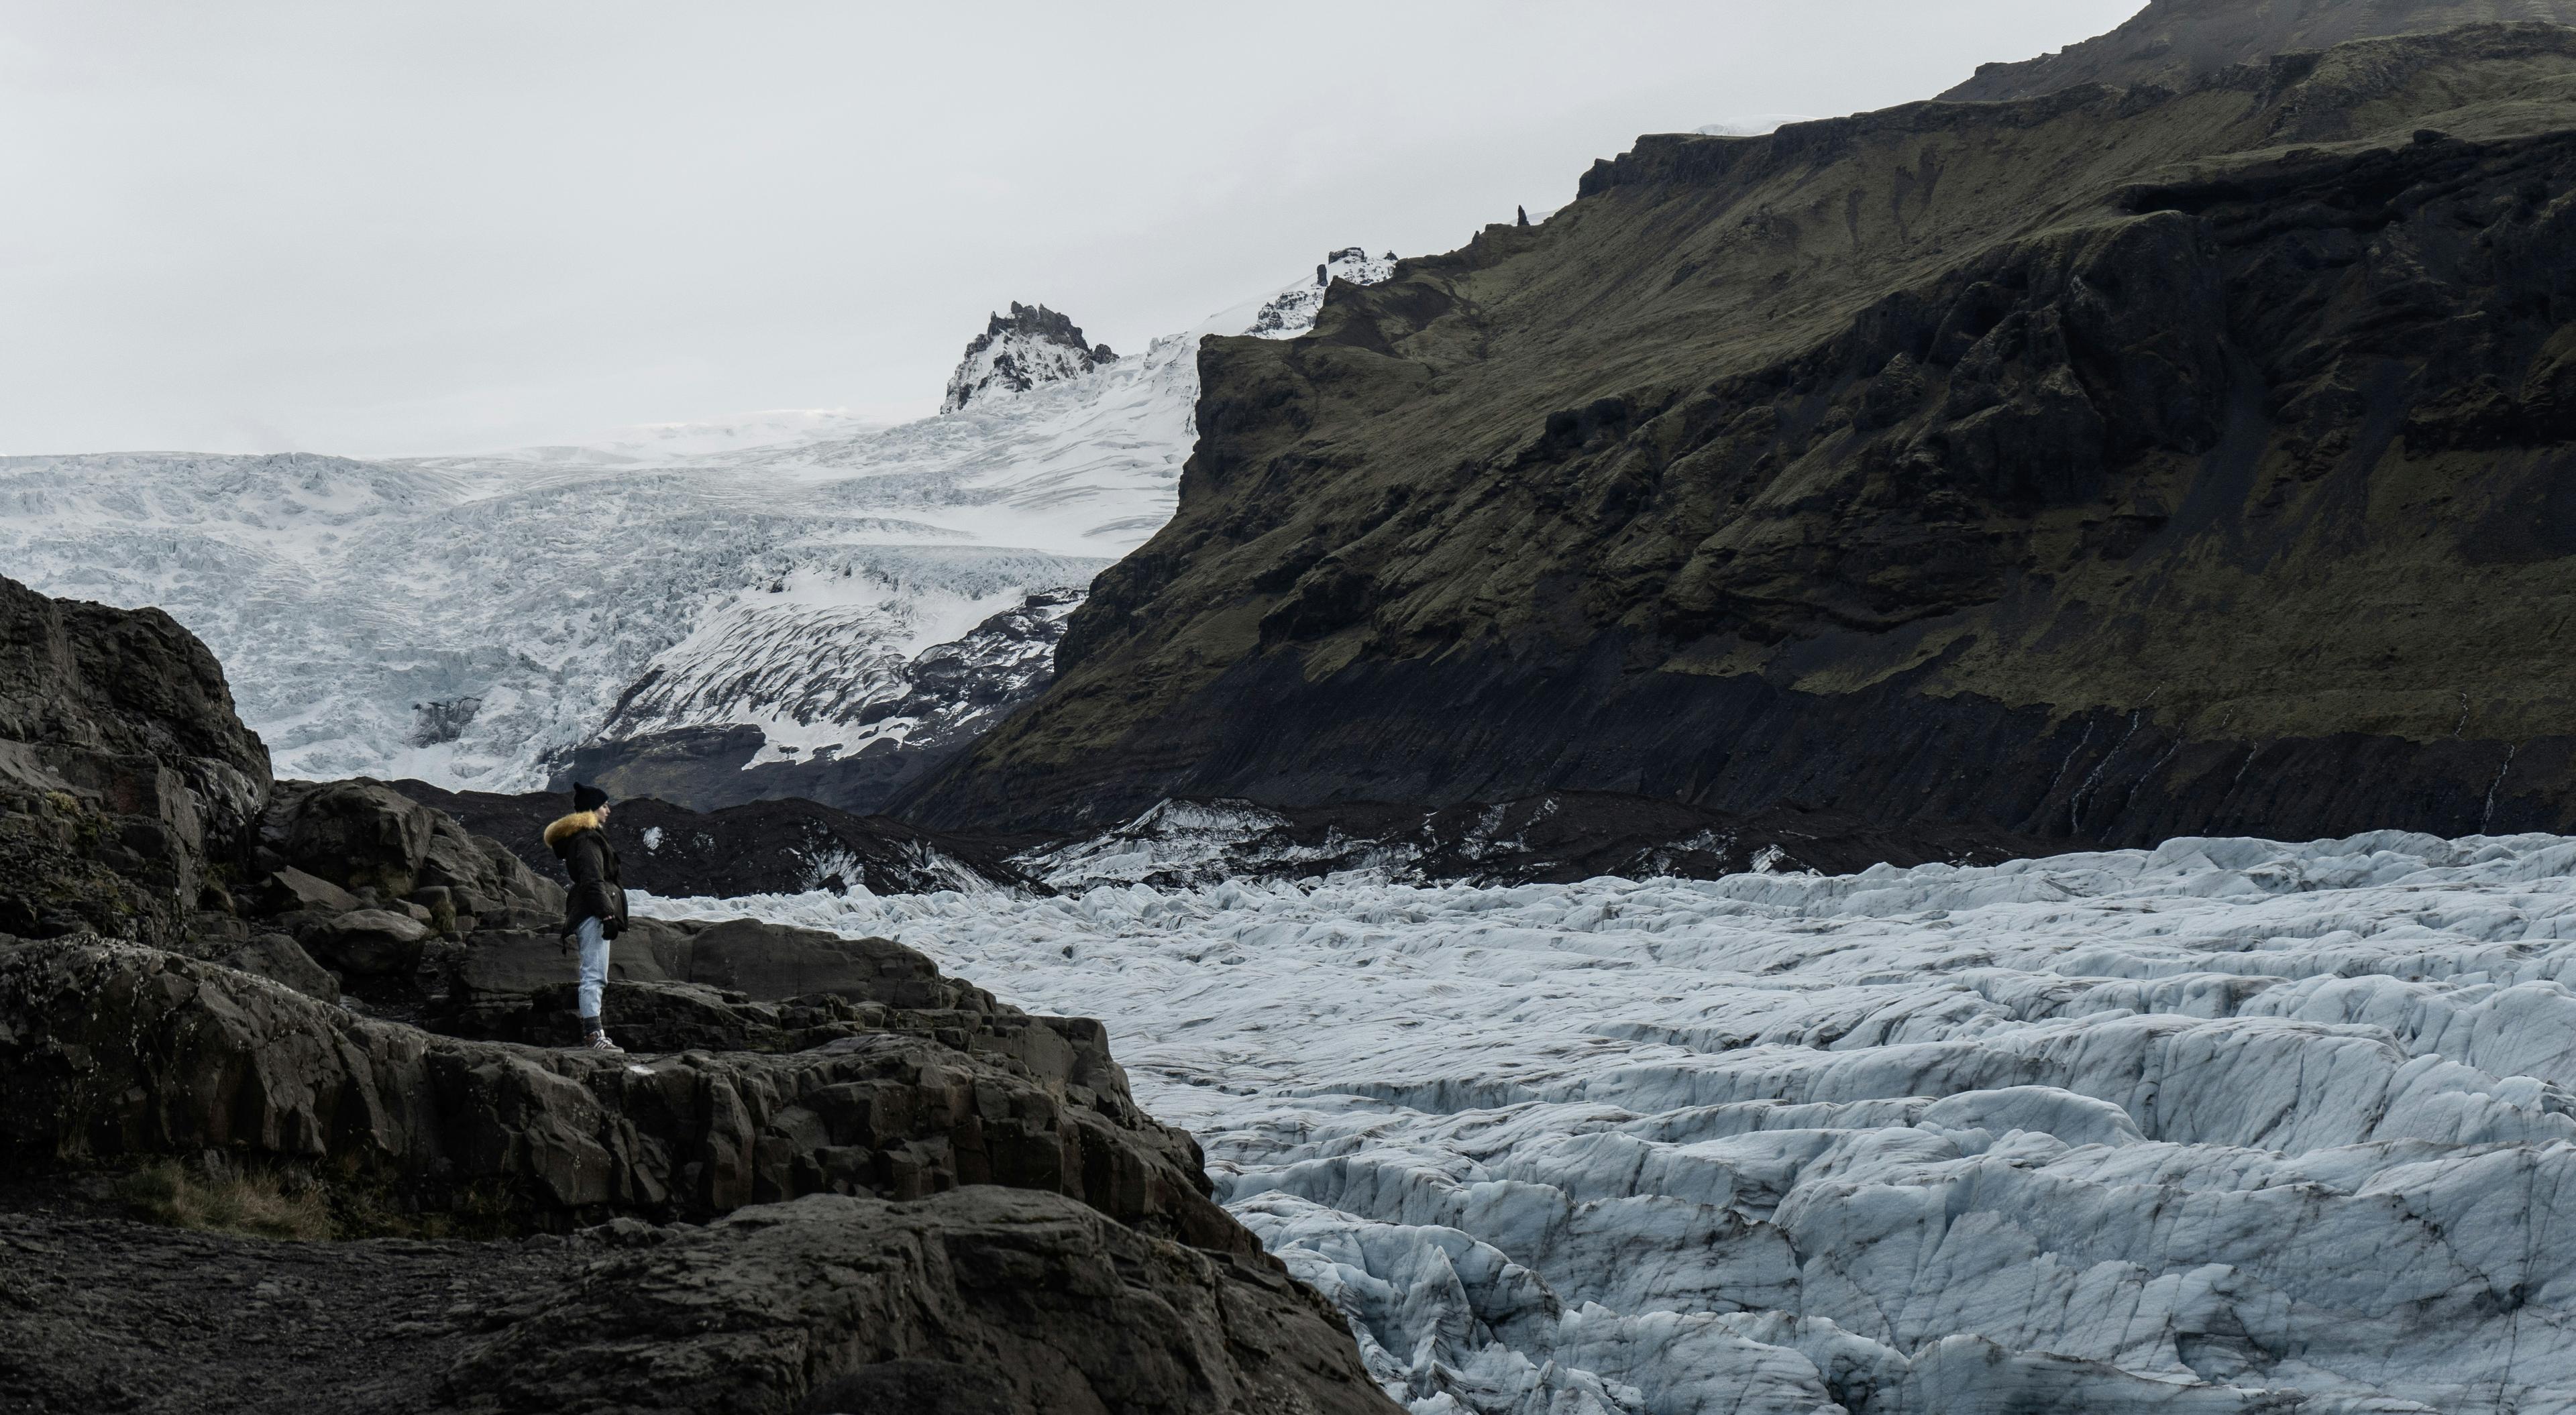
(598, 1041)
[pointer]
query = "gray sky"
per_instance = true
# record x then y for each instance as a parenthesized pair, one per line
(393, 227)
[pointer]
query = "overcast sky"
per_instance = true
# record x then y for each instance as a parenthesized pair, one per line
(387, 228)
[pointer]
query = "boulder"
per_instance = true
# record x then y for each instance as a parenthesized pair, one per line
(372, 943)
(281, 959)
(767, 960)
(437, 905)
(290, 889)
(113, 1053)
(357, 834)
(979, 1302)
(483, 869)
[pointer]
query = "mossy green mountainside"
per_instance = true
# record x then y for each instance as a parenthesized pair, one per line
(2108, 465)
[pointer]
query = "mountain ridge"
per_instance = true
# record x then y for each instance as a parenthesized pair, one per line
(2094, 465)
(2175, 42)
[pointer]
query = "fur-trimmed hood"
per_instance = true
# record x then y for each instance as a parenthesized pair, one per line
(569, 826)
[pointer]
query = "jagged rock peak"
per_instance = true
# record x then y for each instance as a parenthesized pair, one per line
(1032, 345)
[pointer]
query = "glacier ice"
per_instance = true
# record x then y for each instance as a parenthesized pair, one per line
(2230, 1125)
(469, 619)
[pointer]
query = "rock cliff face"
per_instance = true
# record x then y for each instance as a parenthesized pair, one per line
(164, 1056)
(128, 787)
(2108, 465)
(2175, 42)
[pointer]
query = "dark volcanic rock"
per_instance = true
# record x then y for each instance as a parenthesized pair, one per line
(370, 942)
(765, 847)
(280, 959)
(1558, 837)
(515, 985)
(127, 782)
(367, 837)
(117, 1053)
(99, 1313)
(2104, 466)
(1027, 1303)
(2174, 42)
(984, 1300)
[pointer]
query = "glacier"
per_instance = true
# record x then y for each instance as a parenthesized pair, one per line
(2229, 1125)
(468, 620)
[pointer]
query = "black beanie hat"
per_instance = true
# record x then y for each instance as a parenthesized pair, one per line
(587, 798)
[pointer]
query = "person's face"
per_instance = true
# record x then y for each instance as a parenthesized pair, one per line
(603, 813)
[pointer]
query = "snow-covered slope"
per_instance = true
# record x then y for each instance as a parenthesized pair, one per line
(1293, 311)
(2227, 1126)
(468, 620)
(667, 444)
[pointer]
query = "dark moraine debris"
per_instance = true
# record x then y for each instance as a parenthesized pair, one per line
(1555, 837)
(763, 847)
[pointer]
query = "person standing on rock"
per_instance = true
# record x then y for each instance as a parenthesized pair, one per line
(595, 910)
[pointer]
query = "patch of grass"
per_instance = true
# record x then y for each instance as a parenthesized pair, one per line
(257, 1203)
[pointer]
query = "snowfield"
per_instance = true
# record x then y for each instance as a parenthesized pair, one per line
(469, 620)
(2227, 1126)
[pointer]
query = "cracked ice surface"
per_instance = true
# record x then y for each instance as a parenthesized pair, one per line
(2226, 1126)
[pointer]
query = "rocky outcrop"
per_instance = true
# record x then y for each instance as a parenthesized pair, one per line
(969, 1303)
(1033, 345)
(979, 1301)
(2105, 466)
(117, 1053)
(944, 1204)
(128, 785)
(2174, 43)
(762, 847)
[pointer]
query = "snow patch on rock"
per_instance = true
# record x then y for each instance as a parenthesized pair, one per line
(1292, 311)
(1031, 346)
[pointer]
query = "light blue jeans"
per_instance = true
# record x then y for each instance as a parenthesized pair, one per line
(594, 970)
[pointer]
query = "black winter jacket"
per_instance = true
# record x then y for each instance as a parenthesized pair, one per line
(597, 890)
